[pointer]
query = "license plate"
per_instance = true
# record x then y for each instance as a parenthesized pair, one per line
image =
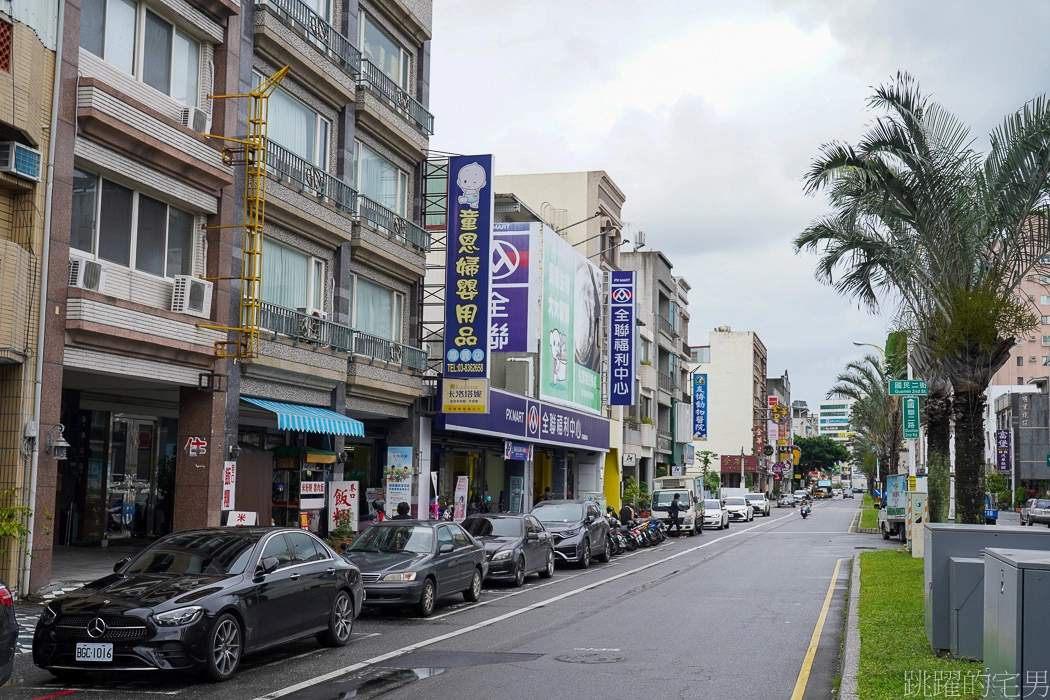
(94, 652)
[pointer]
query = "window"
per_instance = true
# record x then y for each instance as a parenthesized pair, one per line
(1020, 361)
(459, 536)
(647, 349)
(5, 47)
(377, 178)
(291, 279)
(120, 225)
(1044, 299)
(1020, 381)
(1044, 279)
(1046, 361)
(296, 127)
(1045, 320)
(277, 546)
(647, 407)
(377, 310)
(444, 536)
(381, 50)
(143, 44)
(305, 548)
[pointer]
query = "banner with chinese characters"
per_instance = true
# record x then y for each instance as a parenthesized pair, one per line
(1002, 450)
(699, 406)
(515, 286)
(468, 269)
(459, 511)
(622, 334)
(398, 478)
(342, 502)
(229, 485)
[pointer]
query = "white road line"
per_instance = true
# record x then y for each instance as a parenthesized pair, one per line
(359, 635)
(500, 618)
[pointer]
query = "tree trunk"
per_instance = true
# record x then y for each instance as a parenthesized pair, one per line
(938, 432)
(969, 456)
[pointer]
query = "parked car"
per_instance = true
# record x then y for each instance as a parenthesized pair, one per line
(1036, 510)
(415, 562)
(8, 633)
(199, 600)
(578, 530)
(758, 503)
(515, 545)
(786, 500)
(715, 515)
(739, 508)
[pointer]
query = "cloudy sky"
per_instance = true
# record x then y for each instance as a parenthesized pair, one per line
(706, 114)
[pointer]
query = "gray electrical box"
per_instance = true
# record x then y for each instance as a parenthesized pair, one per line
(1016, 619)
(966, 627)
(942, 541)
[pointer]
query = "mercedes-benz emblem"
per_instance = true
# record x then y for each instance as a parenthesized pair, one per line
(96, 628)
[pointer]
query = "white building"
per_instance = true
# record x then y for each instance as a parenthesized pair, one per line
(834, 419)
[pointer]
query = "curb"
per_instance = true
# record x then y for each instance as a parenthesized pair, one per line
(867, 530)
(851, 643)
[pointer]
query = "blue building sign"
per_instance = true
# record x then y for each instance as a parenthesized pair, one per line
(622, 333)
(699, 406)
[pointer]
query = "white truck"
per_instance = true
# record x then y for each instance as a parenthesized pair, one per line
(859, 484)
(691, 503)
(892, 515)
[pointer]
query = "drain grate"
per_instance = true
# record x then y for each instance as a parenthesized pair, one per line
(590, 658)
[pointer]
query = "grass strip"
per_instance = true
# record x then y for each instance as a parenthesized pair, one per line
(869, 517)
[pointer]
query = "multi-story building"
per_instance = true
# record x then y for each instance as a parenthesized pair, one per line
(29, 40)
(735, 364)
(834, 419)
(804, 423)
(779, 434)
(158, 393)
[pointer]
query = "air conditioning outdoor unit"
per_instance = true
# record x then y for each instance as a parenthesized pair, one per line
(87, 274)
(196, 119)
(19, 159)
(192, 296)
(309, 323)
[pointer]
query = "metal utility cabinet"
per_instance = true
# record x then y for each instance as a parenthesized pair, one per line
(967, 599)
(946, 540)
(1016, 618)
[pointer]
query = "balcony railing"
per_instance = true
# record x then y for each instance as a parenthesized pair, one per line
(666, 327)
(301, 17)
(397, 227)
(666, 383)
(398, 98)
(388, 351)
(663, 440)
(297, 172)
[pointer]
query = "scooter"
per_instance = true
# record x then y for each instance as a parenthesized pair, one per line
(805, 510)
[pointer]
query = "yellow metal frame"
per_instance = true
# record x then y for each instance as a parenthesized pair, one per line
(251, 153)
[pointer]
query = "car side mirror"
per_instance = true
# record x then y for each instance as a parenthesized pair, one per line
(533, 535)
(445, 548)
(121, 564)
(590, 519)
(267, 566)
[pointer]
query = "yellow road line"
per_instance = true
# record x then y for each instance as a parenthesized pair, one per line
(807, 663)
(852, 522)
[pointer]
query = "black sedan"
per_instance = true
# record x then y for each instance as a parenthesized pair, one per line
(516, 545)
(200, 600)
(415, 562)
(8, 633)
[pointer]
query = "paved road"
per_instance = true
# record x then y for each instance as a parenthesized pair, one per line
(728, 614)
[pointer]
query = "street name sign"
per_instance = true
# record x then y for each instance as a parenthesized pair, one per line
(908, 387)
(911, 417)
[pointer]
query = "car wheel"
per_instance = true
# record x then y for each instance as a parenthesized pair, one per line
(224, 648)
(473, 594)
(340, 622)
(605, 556)
(519, 573)
(885, 534)
(548, 571)
(425, 606)
(585, 558)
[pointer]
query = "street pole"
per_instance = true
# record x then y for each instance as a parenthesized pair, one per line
(741, 467)
(911, 441)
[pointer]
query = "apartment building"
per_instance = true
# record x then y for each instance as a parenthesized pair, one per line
(804, 423)
(834, 419)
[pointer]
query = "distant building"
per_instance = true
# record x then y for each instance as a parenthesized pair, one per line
(803, 423)
(834, 419)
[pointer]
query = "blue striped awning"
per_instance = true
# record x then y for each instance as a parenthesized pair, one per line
(310, 419)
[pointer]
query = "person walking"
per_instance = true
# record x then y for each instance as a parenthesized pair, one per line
(674, 513)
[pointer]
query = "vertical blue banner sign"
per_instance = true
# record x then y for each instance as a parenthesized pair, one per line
(468, 267)
(622, 333)
(699, 406)
(1002, 450)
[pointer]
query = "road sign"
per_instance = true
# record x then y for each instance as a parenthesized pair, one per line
(911, 417)
(908, 387)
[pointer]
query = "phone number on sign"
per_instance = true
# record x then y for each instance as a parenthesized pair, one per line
(466, 367)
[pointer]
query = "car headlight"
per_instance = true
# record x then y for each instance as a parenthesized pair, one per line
(570, 533)
(48, 616)
(401, 576)
(502, 554)
(179, 616)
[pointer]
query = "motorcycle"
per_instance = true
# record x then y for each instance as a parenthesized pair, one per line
(805, 510)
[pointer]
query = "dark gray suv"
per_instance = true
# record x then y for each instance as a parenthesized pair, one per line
(578, 528)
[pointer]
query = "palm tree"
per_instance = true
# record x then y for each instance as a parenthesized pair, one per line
(876, 416)
(919, 217)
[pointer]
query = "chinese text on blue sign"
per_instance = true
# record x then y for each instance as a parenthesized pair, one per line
(622, 391)
(699, 406)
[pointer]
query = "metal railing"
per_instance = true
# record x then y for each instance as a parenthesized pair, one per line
(388, 351)
(398, 98)
(397, 227)
(304, 327)
(330, 42)
(666, 383)
(663, 440)
(290, 168)
(665, 326)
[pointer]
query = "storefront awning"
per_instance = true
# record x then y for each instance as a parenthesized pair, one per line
(309, 419)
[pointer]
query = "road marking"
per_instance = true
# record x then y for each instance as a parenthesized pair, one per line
(807, 663)
(849, 530)
(56, 695)
(500, 618)
(359, 635)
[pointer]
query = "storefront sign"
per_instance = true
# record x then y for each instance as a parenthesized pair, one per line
(517, 417)
(196, 446)
(1002, 450)
(459, 513)
(398, 478)
(517, 450)
(517, 493)
(571, 338)
(689, 456)
(699, 406)
(343, 502)
(731, 464)
(468, 267)
(465, 396)
(304, 521)
(241, 518)
(630, 459)
(676, 470)
(229, 485)
(622, 334)
(515, 281)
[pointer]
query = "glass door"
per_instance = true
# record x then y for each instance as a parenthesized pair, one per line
(131, 480)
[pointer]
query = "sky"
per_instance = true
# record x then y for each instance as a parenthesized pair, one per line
(707, 114)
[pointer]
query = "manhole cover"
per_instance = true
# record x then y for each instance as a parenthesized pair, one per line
(590, 658)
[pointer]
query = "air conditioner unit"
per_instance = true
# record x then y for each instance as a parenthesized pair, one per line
(19, 159)
(196, 119)
(87, 274)
(192, 296)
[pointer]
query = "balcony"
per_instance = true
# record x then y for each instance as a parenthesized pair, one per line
(300, 175)
(666, 328)
(398, 99)
(667, 384)
(396, 227)
(389, 352)
(317, 32)
(663, 440)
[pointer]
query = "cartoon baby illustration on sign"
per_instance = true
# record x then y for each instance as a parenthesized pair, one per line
(471, 179)
(559, 357)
